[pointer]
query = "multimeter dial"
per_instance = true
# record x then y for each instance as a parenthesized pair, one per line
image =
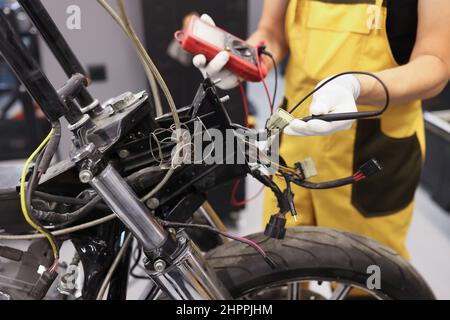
(240, 48)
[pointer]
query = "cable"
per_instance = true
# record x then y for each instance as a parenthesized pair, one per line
(326, 185)
(23, 203)
(137, 260)
(275, 68)
(61, 232)
(68, 218)
(124, 23)
(113, 267)
(51, 149)
(259, 49)
(237, 203)
(245, 102)
(346, 116)
(134, 38)
(260, 153)
(148, 71)
(368, 169)
(246, 241)
(60, 199)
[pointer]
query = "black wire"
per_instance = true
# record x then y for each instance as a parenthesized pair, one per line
(31, 186)
(60, 199)
(51, 148)
(275, 68)
(325, 185)
(65, 219)
(366, 114)
(136, 264)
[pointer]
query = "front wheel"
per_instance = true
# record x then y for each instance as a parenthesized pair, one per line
(312, 255)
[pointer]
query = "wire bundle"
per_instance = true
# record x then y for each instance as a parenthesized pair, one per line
(25, 205)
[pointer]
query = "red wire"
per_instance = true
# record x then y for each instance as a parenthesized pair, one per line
(244, 99)
(249, 242)
(237, 203)
(359, 176)
(258, 64)
(54, 268)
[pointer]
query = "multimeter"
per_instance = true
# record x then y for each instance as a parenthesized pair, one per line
(200, 37)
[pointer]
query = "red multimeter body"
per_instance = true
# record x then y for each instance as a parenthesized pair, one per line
(203, 38)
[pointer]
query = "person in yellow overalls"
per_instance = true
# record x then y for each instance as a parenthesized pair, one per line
(406, 44)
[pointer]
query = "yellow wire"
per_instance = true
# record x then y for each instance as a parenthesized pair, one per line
(292, 170)
(23, 200)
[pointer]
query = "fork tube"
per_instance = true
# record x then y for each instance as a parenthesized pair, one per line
(123, 201)
(175, 265)
(190, 278)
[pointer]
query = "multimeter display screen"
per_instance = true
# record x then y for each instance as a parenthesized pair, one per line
(209, 33)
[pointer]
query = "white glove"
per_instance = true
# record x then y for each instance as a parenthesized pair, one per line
(338, 96)
(215, 68)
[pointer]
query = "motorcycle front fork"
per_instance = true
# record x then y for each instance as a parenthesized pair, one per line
(175, 265)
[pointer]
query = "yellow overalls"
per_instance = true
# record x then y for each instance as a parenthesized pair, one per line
(327, 37)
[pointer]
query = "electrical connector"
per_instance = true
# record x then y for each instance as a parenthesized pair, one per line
(307, 168)
(279, 120)
(276, 228)
(370, 168)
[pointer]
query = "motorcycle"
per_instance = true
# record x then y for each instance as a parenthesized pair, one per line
(127, 179)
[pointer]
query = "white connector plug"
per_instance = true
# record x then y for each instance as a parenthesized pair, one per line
(279, 120)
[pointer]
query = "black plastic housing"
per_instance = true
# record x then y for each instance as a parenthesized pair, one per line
(276, 228)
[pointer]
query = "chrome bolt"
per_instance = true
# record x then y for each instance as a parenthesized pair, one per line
(225, 99)
(123, 154)
(86, 176)
(153, 203)
(159, 266)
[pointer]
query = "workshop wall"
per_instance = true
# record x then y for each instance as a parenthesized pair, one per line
(98, 42)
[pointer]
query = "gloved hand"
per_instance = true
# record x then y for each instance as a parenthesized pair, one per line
(215, 68)
(338, 96)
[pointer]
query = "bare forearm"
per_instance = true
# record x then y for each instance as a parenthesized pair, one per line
(274, 45)
(422, 78)
(271, 28)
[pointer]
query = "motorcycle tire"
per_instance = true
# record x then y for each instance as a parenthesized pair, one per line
(313, 253)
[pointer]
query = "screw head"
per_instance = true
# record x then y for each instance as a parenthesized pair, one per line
(153, 203)
(123, 154)
(160, 265)
(86, 176)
